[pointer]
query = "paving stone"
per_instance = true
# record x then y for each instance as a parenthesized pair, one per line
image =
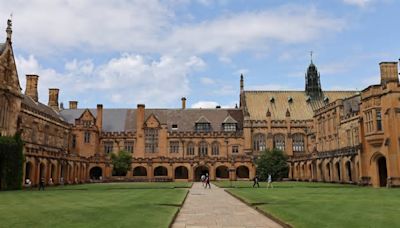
(206, 208)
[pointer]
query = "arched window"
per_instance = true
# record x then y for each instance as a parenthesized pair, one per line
(215, 148)
(259, 142)
(151, 140)
(279, 142)
(203, 148)
(190, 148)
(3, 112)
(298, 143)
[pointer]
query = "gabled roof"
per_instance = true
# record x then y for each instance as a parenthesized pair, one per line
(229, 120)
(202, 119)
(301, 106)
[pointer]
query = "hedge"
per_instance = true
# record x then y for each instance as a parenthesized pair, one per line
(11, 162)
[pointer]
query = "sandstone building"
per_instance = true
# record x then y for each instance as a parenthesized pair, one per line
(332, 136)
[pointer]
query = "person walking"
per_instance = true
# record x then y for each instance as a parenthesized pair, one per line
(208, 181)
(255, 182)
(41, 184)
(270, 181)
(203, 180)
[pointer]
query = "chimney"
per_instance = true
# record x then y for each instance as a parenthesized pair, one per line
(99, 118)
(53, 98)
(73, 105)
(183, 102)
(32, 86)
(140, 116)
(389, 72)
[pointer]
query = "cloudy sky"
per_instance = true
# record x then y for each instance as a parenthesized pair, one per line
(124, 52)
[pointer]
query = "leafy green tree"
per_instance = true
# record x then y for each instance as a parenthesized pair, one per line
(272, 162)
(121, 162)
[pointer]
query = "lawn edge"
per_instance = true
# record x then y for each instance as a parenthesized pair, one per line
(270, 216)
(179, 209)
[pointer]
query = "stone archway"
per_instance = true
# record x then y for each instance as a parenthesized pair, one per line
(382, 171)
(52, 171)
(348, 171)
(199, 171)
(42, 171)
(242, 172)
(28, 171)
(139, 171)
(181, 172)
(328, 169)
(337, 167)
(95, 173)
(160, 171)
(222, 172)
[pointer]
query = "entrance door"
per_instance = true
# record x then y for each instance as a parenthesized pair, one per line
(199, 171)
(382, 171)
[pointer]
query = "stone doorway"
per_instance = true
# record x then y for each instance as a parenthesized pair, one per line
(95, 173)
(382, 171)
(200, 170)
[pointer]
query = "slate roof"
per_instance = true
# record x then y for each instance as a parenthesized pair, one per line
(28, 101)
(117, 120)
(2, 47)
(301, 106)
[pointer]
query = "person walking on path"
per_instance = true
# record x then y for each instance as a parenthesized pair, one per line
(208, 181)
(41, 184)
(255, 182)
(270, 181)
(203, 179)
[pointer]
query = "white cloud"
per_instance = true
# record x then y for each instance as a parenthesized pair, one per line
(43, 27)
(207, 81)
(125, 80)
(205, 104)
(359, 3)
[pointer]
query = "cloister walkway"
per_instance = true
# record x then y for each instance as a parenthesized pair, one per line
(216, 208)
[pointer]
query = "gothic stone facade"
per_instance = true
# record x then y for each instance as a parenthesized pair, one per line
(332, 136)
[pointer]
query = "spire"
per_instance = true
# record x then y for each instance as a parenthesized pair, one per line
(313, 84)
(9, 29)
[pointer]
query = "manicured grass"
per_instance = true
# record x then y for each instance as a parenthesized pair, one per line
(323, 205)
(93, 205)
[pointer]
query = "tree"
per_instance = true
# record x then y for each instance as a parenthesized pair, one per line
(272, 162)
(121, 162)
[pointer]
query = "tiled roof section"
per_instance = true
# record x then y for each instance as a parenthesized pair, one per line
(117, 120)
(351, 105)
(2, 47)
(301, 106)
(40, 107)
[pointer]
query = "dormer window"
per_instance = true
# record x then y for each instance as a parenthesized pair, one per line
(229, 127)
(229, 124)
(203, 127)
(308, 99)
(272, 100)
(326, 99)
(290, 99)
(174, 127)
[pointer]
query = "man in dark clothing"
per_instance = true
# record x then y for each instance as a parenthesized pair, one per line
(208, 181)
(255, 180)
(41, 184)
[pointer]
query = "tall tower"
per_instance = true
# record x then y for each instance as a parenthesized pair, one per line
(313, 83)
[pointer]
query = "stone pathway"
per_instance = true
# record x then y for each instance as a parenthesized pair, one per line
(216, 208)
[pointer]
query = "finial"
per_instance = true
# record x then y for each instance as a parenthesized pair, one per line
(241, 76)
(9, 29)
(311, 53)
(241, 82)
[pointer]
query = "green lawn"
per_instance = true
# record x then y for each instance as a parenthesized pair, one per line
(93, 205)
(323, 205)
